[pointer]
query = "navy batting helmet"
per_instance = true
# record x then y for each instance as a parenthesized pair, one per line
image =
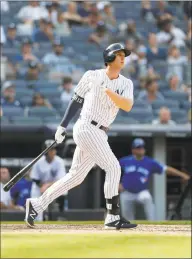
(109, 52)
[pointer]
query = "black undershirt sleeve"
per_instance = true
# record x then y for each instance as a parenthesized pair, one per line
(75, 104)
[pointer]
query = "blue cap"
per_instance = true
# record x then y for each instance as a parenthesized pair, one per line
(138, 142)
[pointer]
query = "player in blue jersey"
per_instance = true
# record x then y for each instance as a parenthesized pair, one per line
(137, 170)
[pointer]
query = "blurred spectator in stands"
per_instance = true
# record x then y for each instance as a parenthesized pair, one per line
(188, 70)
(164, 117)
(4, 7)
(40, 101)
(190, 116)
(162, 9)
(61, 26)
(170, 34)
(130, 61)
(56, 63)
(66, 89)
(12, 38)
(45, 33)
(187, 6)
(8, 95)
(53, 9)
(100, 36)
(108, 16)
(72, 16)
(176, 85)
(28, 14)
(3, 37)
(33, 71)
(6, 201)
(154, 52)
(21, 191)
(1, 112)
(84, 9)
(189, 35)
(151, 93)
(93, 19)
(142, 65)
(26, 52)
(129, 31)
(32, 12)
(176, 63)
(147, 11)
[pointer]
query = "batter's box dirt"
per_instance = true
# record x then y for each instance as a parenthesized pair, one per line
(97, 228)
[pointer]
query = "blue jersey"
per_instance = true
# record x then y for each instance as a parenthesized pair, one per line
(137, 173)
(21, 191)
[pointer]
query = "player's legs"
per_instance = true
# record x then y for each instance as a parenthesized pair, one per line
(81, 165)
(35, 193)
(145, 198)
(94, 140)
(127, 200)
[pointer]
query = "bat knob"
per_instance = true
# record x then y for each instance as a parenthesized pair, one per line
(6, 188)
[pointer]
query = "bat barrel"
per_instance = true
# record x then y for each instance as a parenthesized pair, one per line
(24, 171)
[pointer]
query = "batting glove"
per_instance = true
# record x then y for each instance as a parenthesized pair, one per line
(60, 134)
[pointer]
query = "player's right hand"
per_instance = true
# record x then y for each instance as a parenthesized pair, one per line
(60, 134)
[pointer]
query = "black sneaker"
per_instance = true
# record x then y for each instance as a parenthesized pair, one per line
(121, 223)
(30, 214)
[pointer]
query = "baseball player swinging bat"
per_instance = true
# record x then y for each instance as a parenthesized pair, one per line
(24, 171)
(99, 95)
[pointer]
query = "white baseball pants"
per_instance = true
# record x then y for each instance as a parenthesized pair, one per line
(92, 148)
(127, 200)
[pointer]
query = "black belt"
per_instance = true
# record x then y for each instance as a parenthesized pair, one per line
(101, 127)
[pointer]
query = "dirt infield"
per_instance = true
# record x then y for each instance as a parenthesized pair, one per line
(184, 230)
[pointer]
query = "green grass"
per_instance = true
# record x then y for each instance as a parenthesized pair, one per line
(169, 222)
(112, 245)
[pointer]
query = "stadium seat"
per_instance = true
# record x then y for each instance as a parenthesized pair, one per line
(140, 114)
(19, 83)
(23, 93)
(186, 105)
(179, 116)
(57, 103)
(141, 104)
(42, 112)
(167, 103)
(12, 111)
(49, 92)
(21, 120)
(26, 101)
(126, 120)
(179, 96)
(46, 84)
(4, 120)
(52, 119)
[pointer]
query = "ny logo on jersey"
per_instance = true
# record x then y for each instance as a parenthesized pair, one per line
(119, 92)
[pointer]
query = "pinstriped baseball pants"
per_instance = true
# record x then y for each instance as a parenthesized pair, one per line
(92, 148)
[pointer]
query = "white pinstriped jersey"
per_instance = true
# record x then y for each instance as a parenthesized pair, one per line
(97, 105)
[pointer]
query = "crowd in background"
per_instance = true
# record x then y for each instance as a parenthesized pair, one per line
(40, 31)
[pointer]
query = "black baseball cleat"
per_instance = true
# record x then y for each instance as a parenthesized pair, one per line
(121, 223)
(30, 214)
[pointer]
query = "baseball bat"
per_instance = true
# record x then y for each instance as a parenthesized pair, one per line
(24, 171)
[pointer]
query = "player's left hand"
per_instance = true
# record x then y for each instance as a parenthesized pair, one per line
(60, 134)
